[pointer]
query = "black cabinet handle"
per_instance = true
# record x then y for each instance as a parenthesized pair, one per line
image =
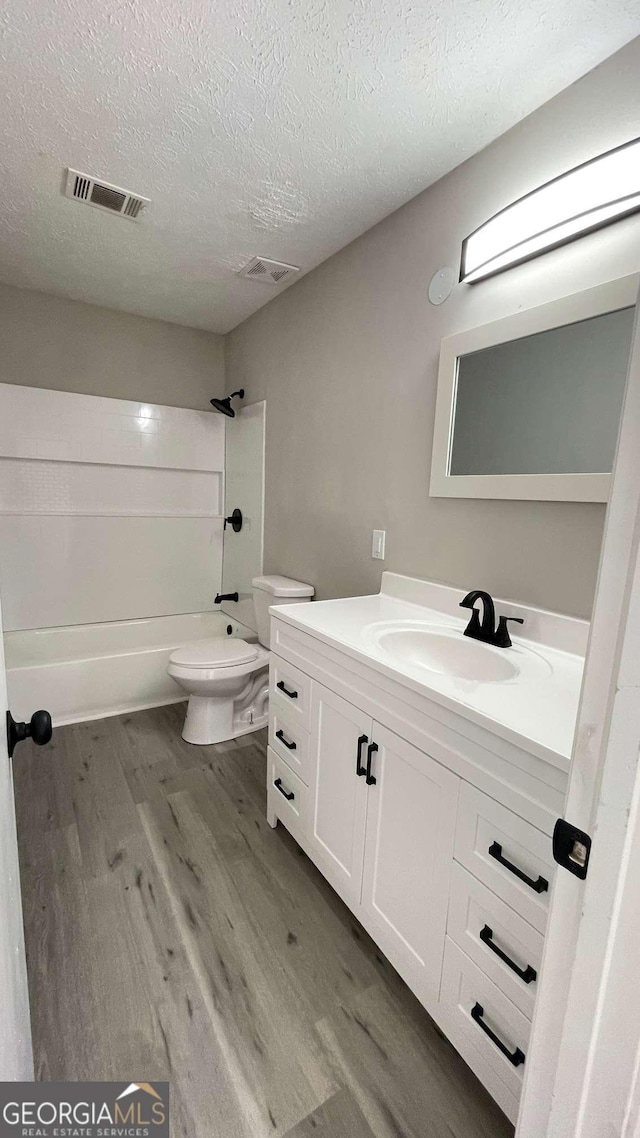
(360, 770)
(539, 886)
(371, 750)
(291, 694)
(515, 1057)
(289, 795)
(289, 746)
(527, 974)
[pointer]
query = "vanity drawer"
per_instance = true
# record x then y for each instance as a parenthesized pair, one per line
(289, 691)
(490, 1033)
(287, 795)
(506, 947)
(508, 854)
(290, 741)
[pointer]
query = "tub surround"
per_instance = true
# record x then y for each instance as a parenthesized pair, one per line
(95, 670)
(111, 535)
(428, 800)
(110, 509)
(535, 709)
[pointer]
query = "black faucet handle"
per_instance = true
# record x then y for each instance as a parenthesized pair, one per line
(502, 638)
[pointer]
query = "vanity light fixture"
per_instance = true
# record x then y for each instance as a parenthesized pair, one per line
(594, 194)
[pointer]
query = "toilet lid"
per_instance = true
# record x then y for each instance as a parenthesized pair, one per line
(214, 653)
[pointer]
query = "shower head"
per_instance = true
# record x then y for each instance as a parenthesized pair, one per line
(224, 405)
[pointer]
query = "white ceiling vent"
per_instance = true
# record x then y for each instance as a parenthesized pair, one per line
(268, 272)
(102, 195)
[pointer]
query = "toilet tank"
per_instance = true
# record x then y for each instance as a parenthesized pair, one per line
(275, 590)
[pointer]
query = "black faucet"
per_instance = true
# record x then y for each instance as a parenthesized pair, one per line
(486, 630)
(226, 597)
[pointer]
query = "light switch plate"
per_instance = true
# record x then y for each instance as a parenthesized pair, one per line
(377, 544)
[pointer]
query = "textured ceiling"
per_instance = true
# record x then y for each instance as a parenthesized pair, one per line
(278, 127)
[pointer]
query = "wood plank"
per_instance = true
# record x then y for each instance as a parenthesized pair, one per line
(171, 933)
(339, 1117)
(406, 1077)
(275, 1059)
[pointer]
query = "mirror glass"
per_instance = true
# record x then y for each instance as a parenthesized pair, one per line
(549, 403)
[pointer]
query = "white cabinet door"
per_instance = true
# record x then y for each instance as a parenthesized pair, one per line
(411, 818)
(338, 795)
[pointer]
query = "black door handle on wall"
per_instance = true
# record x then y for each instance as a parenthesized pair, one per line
(234, 520)
(281, 687)
(287, 744)
(515, 1057)
(289, 795)
(539, 886)
(38, 728)
(527, 974)
(371, 750)
(360, 770)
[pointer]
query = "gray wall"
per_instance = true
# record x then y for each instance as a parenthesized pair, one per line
(347, 360)
(47, 341)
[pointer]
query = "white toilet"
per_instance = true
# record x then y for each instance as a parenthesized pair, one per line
(227, 680)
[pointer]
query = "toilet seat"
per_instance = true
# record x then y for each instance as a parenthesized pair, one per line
(214, 653)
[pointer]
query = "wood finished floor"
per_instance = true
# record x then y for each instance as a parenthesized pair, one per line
(171, 934)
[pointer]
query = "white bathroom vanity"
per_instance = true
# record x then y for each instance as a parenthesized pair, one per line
(423, 773)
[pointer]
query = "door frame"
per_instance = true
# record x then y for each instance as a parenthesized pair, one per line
(16, 1051)
(576, 1079)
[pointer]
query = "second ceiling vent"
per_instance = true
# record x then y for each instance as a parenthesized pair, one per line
(102, 195)
(268, 272)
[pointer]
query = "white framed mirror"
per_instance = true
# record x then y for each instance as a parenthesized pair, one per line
(529, 406)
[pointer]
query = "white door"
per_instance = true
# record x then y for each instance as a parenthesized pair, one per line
(411, 820)
(340, 747)
(16, 1060)
(583, 1067)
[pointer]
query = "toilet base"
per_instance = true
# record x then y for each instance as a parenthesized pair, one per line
(211, 721)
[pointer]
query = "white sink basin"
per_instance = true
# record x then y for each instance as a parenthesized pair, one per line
(447, 652)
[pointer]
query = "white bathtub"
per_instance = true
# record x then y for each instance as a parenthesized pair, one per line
(93, 670)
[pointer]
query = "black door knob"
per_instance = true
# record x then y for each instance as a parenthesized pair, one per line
(38, 728)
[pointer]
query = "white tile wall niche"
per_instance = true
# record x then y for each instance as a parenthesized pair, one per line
(82, 570)
(109, 509)
(36, 423)
(31, 486)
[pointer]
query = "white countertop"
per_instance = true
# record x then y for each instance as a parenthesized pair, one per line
(536, 710)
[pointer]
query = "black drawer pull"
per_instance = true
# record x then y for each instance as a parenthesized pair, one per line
(360, 770)
(515, 1057)
(527, 974)
(539, 886)
(371, 750)
(291, 694)
(289, 795)
(289, 746)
